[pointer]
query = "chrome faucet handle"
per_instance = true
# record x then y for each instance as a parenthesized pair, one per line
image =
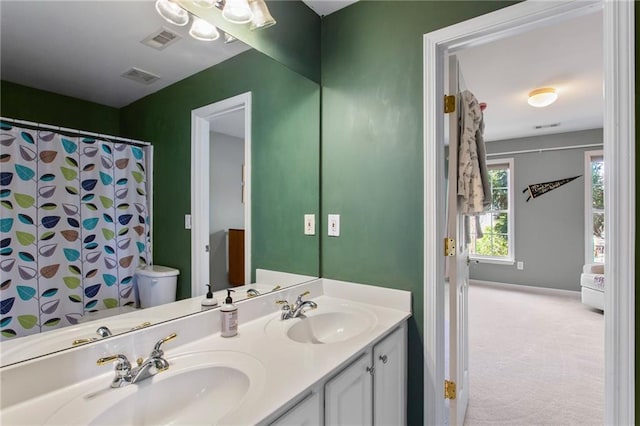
(143, 325)
(157, 350)
(284, 303)
(123, 369)
(83, 341)
(299, 300)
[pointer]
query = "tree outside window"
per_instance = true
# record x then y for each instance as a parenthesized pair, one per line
(491, 232)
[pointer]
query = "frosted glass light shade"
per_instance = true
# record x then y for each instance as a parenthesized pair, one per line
(542, 97)
(237, 11)
(204, 3)
(173, 13)
(261, 16)
(203, 30)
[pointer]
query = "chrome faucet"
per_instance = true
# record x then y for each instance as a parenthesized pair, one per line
(104, 331)
(126, 375)
(252, 292)
(289, 311)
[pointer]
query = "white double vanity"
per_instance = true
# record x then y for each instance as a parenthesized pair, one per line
(341, 359)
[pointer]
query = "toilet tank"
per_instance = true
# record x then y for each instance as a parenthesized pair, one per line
(156, 285)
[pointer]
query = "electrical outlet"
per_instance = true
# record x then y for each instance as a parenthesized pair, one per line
(309, 224)
(334, 225)
(520, 266)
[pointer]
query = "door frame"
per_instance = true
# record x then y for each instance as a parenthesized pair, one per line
(200, 128)
(619, 148)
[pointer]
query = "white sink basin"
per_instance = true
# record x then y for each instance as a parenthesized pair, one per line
(326, 325)
(198, 388)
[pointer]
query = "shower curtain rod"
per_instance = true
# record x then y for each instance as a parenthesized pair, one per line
(76, 132)
(558, 148)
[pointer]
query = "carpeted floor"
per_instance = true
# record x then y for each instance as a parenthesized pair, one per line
(536, 358)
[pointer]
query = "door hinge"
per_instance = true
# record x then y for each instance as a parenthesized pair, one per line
(449, 247)
(449, 104)
(449, 390)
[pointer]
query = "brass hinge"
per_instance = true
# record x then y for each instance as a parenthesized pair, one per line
(449, 247)
(449, 390)
(449, 103)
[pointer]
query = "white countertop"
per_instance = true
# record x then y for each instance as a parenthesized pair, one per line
(290, 368)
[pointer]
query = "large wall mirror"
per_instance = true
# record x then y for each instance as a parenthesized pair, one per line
(72, 49)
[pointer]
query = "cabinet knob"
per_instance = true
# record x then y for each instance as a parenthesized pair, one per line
(383, 358)
(370, 370)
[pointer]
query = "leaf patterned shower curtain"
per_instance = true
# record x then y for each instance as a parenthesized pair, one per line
(74, 227)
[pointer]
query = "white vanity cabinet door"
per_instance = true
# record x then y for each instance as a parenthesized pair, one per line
(389, 380)
(305, 413)
(348, 396)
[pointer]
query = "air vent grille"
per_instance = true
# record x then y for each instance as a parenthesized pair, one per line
(546, 126)
(140, 76)
(161, 39)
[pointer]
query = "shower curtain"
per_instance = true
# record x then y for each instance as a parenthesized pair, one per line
(74, 226)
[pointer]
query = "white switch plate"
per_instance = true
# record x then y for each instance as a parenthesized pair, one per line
(309, 224)
(520, 266)
(187, 221)
(334, 225)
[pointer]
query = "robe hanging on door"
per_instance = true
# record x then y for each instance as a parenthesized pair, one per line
(474, 188)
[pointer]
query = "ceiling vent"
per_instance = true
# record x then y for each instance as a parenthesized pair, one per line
(140, 76)
(546, 126)
(161, 39)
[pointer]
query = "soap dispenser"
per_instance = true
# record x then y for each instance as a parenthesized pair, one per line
(229, 312)
(209, 300)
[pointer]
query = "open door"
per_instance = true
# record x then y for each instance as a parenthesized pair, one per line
(457, 384)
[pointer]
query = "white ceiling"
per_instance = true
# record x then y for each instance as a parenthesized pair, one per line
(567, 56)
(81, 48)
(327, 7)
(230, 123)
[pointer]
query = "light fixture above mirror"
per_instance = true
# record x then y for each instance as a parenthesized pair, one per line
(235, 11)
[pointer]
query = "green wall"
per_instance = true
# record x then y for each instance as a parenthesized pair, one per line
(26, 103)
(285, 156)
(372, 172)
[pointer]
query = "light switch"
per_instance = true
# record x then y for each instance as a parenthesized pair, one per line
(334, 225)
(309, 224)
(187, 221)
(520, 266)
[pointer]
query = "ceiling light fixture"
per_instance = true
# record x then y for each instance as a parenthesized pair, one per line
(542, 97)
(261, 16)
(237, 11)
(202, 30)
(205, 3)
(172, 13)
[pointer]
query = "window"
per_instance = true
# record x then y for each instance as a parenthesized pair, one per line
(491, 234)
(594, 207)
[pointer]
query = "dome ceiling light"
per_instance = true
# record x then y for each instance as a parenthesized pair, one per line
(543, 97)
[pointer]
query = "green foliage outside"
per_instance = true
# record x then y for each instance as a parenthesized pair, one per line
(494, 242)
(597, 185)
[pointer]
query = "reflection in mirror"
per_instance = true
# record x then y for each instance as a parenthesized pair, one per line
(41, 63)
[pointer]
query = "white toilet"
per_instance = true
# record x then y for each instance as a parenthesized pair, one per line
(156, 285)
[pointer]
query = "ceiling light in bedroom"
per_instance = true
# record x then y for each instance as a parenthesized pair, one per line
(542, 97)
(261, 16)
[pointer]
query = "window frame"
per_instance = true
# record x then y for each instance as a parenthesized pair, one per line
(510, 258)
(588, 205)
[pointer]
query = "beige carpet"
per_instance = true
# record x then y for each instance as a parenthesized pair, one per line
(535, 359)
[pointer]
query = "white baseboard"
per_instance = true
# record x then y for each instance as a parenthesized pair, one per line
(527, 288)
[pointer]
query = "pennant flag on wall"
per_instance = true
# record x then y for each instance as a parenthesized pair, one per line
(537, 189)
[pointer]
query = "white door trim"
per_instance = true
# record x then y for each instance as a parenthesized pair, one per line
(200, 119)
(619, 147)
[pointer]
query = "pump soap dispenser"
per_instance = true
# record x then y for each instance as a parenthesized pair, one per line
(229, 312)
(209, 301)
